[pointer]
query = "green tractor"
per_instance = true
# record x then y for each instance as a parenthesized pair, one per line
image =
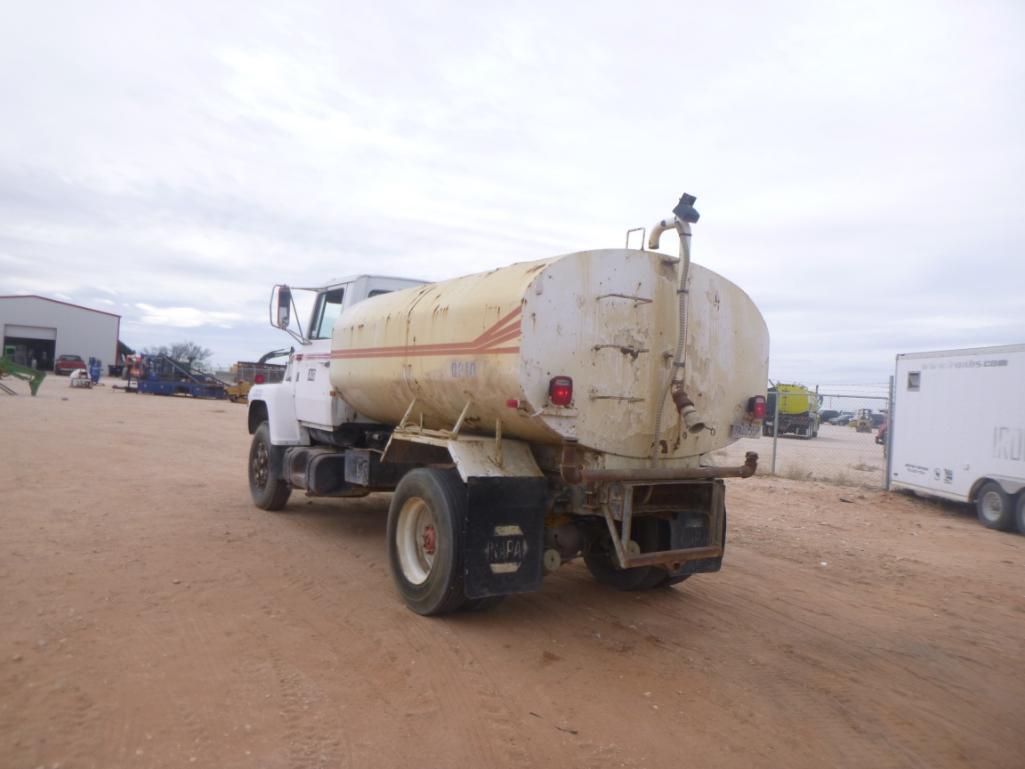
(9, 368)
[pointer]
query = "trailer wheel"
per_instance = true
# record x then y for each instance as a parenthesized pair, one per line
(994, 507)
(425, 533)
(268, 491)
(1019, 516)
(601, 560)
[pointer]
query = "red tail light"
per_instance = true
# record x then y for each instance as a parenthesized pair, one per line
(259, 379)
(756, 407)
(560, 390)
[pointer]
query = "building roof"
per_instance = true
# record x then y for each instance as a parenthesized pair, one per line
(58, 301)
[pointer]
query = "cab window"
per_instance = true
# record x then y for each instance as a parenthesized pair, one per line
(329, 305)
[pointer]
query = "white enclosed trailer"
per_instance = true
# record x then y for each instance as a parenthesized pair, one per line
(958, 429)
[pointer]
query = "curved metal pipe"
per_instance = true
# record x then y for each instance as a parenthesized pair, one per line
(676, 373)
(573, 474)
(662, 226)
(745, 470)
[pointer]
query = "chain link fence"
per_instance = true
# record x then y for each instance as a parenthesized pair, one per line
(830, 433)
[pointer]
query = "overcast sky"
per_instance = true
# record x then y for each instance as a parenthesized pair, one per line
(859, 167)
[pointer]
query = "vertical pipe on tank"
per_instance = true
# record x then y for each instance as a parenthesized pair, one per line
(676, 373)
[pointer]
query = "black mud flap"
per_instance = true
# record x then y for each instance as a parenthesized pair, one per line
(504, 535)
(691, 530)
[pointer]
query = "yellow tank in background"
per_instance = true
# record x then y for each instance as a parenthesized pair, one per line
(798, 411)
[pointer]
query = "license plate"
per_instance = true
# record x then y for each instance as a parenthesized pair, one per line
(745, 430)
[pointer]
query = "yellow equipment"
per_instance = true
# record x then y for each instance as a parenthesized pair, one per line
(863, 421)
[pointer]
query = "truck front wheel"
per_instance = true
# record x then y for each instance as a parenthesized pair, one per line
(1019, 517)
(425, 533)
(269, 492)
(994, 508)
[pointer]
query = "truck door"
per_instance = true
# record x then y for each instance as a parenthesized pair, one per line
(313, 401)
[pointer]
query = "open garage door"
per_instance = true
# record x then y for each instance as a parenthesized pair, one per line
(30, 345)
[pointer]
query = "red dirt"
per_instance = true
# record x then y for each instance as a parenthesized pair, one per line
(154, 618)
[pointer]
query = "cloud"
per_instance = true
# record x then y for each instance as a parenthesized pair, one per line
(859, 170)
(185, 317)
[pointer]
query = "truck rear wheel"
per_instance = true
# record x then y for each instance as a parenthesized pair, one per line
(269, 492)
(601, 560)
(994, 507)
(1019, 516)
(425, 533)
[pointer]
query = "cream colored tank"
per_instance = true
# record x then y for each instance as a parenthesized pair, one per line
(607, 319)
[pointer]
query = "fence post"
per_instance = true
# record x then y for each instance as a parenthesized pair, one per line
(775, 428)
(889, 436)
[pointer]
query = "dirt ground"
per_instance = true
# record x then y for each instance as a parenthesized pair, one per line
(838, 454)
(153, 618)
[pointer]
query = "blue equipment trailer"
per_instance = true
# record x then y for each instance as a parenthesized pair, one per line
(161, 375)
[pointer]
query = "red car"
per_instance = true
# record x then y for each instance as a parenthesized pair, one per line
(65, 364)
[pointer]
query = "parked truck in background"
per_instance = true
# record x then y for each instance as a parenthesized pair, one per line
(957, 430)
(798, 411)
(523, 417)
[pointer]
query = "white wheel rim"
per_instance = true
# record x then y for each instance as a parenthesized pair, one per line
(992, 506)
(416, 539)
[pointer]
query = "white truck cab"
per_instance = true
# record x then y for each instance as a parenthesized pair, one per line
(302, 400)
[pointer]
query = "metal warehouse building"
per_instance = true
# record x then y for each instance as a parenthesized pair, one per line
(36, 330)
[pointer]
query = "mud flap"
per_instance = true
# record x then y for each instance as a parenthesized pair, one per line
(690, 529)
(684, 533)
(503, 535)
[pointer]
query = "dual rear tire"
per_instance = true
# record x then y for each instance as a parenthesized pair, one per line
(600, 559)
(650, 535)
(425, 543)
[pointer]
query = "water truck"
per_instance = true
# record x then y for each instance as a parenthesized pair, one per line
(523, 417)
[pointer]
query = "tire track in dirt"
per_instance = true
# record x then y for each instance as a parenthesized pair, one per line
(449, 679)
(286, 645)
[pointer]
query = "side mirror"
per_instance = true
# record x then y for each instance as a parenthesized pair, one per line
(283, 307)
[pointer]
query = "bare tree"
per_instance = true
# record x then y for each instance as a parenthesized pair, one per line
(186, 352)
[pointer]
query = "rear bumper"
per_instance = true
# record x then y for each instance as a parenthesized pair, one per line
(617, 490)
(573, 474)
(619, 512)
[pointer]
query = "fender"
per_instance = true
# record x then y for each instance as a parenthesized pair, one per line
(473, 456)
(277, 401)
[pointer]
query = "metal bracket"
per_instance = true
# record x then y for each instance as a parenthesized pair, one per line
(623, 348)
(454, 432)
(595, 396)
(636, 299)
(409, 410)
(619, 499)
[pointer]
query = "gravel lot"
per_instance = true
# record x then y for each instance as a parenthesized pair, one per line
(838, 455)
(154, 618)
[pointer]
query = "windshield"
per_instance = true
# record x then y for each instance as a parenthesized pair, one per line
(329, 305)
